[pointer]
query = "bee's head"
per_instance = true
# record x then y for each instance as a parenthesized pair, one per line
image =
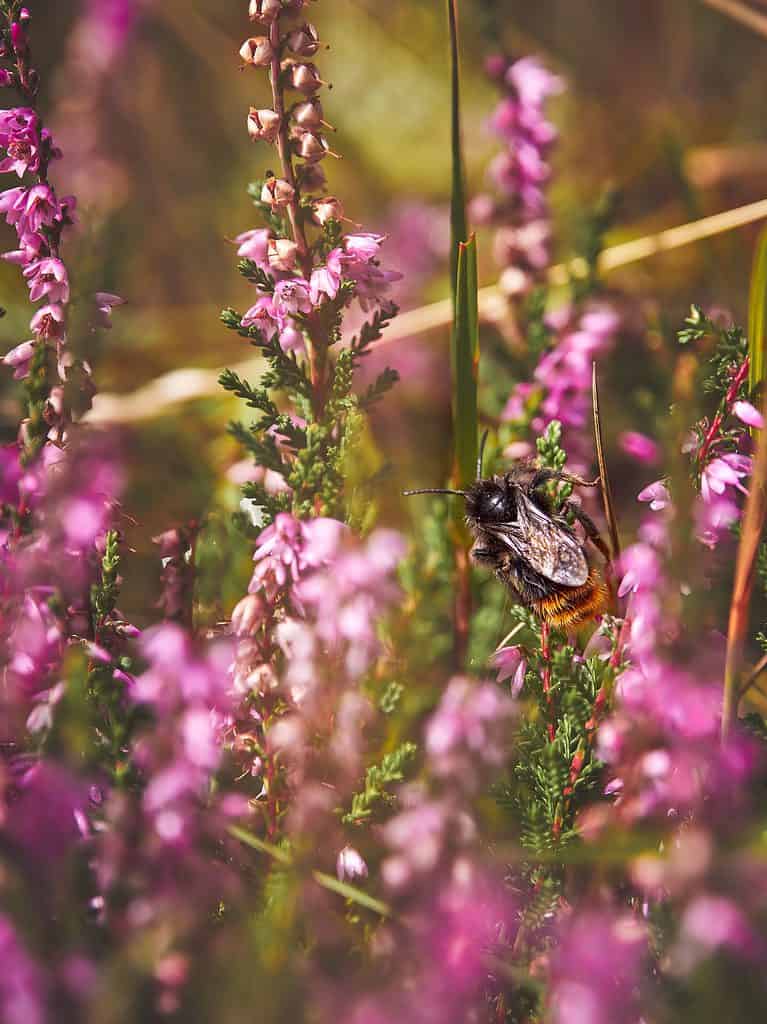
(490, 501)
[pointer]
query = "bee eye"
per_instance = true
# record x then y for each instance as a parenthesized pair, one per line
(494, 506)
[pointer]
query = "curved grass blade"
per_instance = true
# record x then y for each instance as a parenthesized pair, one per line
(757, 308)
(465, 363)
(459, 231)
(607, 496)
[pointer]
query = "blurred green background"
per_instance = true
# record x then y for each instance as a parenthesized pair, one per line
(665, 101)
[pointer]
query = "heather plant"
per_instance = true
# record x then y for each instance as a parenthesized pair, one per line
(315, 802)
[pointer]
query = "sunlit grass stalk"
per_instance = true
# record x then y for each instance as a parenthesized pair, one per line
(745, 570)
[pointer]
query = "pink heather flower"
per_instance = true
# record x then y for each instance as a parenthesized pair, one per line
(262, 315)
(48, 321)
(22, 988)
(105, 303)
(749, 415)
(254, 245)
(468, 730)
(639, 446)
(327, 280)
(596, 968)
(40, 209)
(657, 494)
(292, 340)
(723, 472)
(362, 247)
(715, 922)
(714, 517)
(19, 358)
(532, 82)
(49, 278)
(257, 51)
(372, 284)
(20, 139)
(511, 664)
(291, 297)
(641, 569)
(349, 864)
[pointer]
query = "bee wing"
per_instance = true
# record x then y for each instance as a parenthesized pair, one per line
(548, 548)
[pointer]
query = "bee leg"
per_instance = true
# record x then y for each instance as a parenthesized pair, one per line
(544, 475)
(589, 526)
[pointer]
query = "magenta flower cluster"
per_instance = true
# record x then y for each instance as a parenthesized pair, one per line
(520, 172)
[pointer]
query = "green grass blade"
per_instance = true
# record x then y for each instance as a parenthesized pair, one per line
(465, 361)
(757, 305)
(459, 231)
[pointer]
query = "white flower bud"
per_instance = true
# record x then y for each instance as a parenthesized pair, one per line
(311, 147)
(304, 41)
(282, 254)
(308, 114)
(305, 78)
(327, 209)
(277, 192)
(263, 124)
(257, 51)
(264, 10)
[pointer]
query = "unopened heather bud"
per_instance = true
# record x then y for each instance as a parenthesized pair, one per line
(308, 114)
(263, 124)
(304, 41)
(304, 78)
(282, 254)
(311, 147)
(327, 209)
(312, 177)
(257, 51)
(264, 10)
(277, 192)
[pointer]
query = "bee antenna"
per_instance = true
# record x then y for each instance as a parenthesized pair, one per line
(482, 444)
(434, 490)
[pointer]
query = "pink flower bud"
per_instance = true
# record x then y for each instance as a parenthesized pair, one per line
(327, 209)
(304, 77)
(349, 864)
(748, 414)
(248, 615)
(264, 10)
(277, 192)
(282, 254)
(308, 114)
(257, 51)
(311, 147)
(263, 124)
(304, 41)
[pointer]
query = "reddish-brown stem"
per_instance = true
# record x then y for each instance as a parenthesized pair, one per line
(716, 423)
(546, 678)
(316, 348)
(462, 603)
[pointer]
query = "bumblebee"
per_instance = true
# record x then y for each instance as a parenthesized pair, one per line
(531, 547)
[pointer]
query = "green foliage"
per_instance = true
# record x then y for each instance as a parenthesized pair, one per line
(390, 771)
(465, 360)
(757, 310)
(104, 593)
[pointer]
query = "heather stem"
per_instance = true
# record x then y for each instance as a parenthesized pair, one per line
(316, 350)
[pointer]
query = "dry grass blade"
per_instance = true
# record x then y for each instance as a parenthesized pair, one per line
(745, 570)
(742, 13)
(607, 497)
(185, 385)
